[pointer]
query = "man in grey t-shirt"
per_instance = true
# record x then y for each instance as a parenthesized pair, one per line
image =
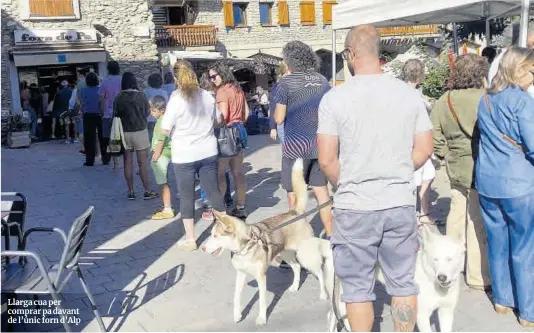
(373, 132)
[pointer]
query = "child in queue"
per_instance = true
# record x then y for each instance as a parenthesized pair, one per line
(161, 157)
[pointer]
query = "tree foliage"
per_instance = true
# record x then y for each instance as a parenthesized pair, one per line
(478, 28)
(435, 83)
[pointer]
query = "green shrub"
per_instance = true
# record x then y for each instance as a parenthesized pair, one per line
(436, 80)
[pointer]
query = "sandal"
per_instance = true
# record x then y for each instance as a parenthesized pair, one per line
(187, 244)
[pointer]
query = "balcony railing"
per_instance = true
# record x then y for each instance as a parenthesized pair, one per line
(186, 35)
(428, 29)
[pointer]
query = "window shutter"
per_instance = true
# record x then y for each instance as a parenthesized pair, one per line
(283, 13)
(228, 10)
(51, 8)
(327, 11)
(307, 12)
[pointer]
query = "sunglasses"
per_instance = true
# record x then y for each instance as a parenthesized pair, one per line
(213, 77)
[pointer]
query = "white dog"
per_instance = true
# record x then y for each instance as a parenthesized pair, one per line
(255, 246)
(437, 274)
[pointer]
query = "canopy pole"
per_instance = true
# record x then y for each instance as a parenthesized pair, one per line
(525, 6)
(455, 39)
(334, 72)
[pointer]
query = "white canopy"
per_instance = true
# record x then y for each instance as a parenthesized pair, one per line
(349, 13)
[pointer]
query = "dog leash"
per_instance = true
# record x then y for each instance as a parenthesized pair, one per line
(340, 320)
(303, 215)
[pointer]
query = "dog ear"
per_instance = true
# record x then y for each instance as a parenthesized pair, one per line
(219, 215)
(224, 220)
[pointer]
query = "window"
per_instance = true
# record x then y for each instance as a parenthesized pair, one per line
(283, 12)
(327, 11)
(176, 15)
(307, 12)
(266, 13)
(240, 14)
(50, 9)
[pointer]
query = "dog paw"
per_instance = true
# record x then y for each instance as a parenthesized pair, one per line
(293, 288)
(261, 320)
(237, 317)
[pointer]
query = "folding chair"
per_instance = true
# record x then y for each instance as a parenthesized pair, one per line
(14, 207)
(36, 280)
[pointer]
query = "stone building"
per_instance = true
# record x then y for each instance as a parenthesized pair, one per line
(46, 41)
(256, 29)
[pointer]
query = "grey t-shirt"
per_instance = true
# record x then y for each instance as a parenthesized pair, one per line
(375, 118)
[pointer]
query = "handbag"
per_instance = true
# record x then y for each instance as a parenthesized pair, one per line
(116, 138)
(228, 141)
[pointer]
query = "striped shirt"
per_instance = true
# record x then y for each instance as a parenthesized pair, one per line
(301, 93)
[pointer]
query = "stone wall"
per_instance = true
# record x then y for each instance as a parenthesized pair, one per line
(119, 17)
(243, 42)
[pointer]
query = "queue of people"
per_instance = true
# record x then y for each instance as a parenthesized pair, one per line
(376, 151)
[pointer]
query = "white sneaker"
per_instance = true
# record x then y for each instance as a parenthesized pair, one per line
(76, 141)
(68, 141)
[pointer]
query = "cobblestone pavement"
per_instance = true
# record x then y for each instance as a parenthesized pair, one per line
(143, 282)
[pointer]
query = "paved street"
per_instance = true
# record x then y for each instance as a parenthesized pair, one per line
(143, 282)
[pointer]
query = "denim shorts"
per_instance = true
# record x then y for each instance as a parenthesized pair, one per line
(361, 238)
(242, 133)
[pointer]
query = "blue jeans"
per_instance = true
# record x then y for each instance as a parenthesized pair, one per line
(33, 116)
(227, 194)
(510, 229)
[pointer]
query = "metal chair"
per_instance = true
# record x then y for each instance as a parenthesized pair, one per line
(14, 207)
(37, 280)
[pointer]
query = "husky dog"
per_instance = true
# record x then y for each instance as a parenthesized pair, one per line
(437, 274)
(254, 247)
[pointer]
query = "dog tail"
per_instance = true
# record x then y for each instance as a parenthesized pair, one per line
(299, 186)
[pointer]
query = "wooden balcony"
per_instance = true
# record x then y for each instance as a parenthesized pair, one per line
(428, 29)
(186, 35)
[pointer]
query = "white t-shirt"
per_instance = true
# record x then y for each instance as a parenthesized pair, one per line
(494, 68)
(191, 127)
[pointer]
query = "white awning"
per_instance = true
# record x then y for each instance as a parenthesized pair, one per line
(381, 13)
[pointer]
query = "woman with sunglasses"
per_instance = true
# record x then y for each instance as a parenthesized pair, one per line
(231, 102)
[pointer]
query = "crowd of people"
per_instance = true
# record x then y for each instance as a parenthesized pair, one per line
(375, 150)
(370, 145)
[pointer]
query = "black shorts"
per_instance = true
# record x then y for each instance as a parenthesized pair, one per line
(312, 173)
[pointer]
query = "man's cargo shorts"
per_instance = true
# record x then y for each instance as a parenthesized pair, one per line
(361, 238)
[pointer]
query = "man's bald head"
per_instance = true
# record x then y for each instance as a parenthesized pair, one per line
(364, 40)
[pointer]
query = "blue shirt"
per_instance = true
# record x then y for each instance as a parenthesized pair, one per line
(503, 170)
(89, 100)
(301, 93)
